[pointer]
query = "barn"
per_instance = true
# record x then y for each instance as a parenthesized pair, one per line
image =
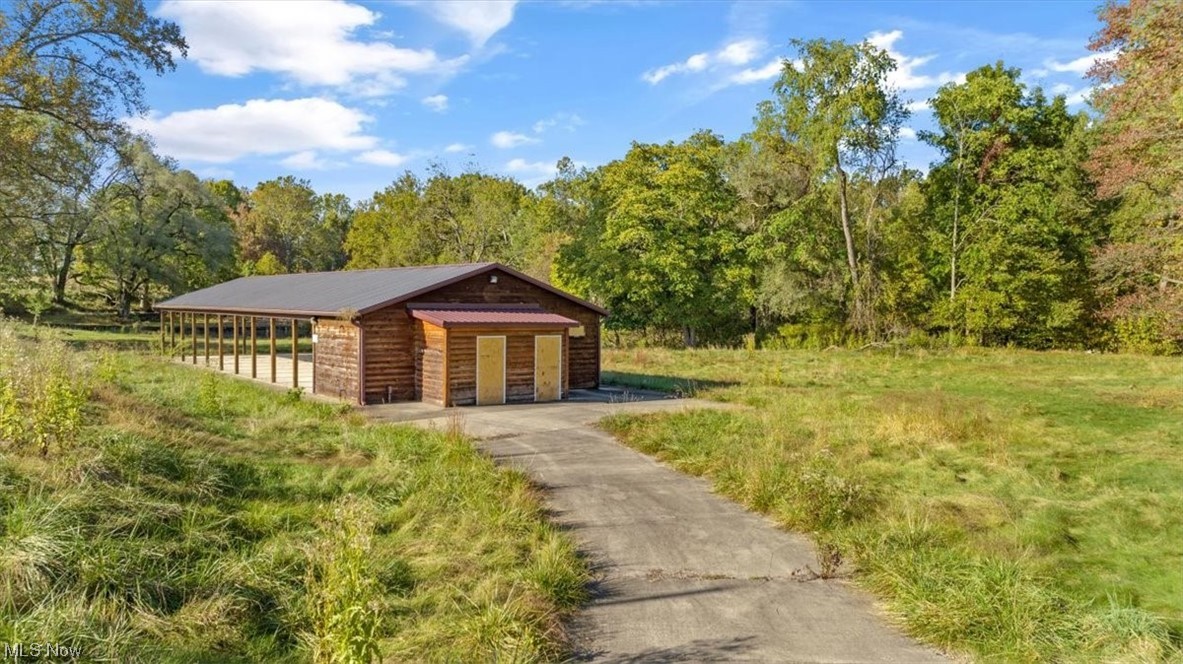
(452, 335)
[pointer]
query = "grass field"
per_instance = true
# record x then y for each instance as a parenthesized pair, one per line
(190, 517)
(1012, 506)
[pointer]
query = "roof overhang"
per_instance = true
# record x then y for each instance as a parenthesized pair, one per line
(499, 317)
(239, 311)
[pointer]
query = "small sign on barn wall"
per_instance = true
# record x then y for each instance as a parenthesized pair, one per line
(313, 337)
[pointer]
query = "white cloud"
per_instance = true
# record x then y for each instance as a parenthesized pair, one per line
(437, 103)
(908, 133)
(382, 158)
(306, 160)
(768, 71)
(311, 42)
(457, 147)
(1077, 97)
(478, 20)
(215, 173)
(1080, 65)
(696, 62)
(509, 139)
(734, 54)
(905, 76)
(258, 127)
(534, 173)
(567, 121)
(523, 166)
(741, 52)
(918, 106)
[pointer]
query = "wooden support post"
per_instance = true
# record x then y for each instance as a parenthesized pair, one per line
(254, 348)
(312, 336)
(447, 340)
(235, 345)
(162, 333)
(172, 333)
(193, 332)
(271, 338)
(205, 333)
(180, 347)
(221, 347)
(295, 356)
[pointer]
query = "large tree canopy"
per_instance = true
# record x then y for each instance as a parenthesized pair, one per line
(660, 245)
(835, 118)
(1012, 211)
(1138, 159)
(470, 217)
(69, 69)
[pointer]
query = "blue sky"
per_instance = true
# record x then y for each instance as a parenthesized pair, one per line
(351, 94)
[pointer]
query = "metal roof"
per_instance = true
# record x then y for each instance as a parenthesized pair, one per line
(501, 317)
(331, 293)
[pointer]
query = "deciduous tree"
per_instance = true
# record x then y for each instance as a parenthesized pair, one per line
(1138, 160)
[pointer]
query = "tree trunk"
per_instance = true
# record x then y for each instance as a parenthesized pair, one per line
(125, 298)
(956, 218)
(63, 274)
(688, 337)
(858, 313)
(851, 259)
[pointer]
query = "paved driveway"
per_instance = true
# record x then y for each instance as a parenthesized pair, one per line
(684, 575)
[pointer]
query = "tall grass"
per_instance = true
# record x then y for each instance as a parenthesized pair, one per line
(199, 518)
(42, 391)
(1011, 506)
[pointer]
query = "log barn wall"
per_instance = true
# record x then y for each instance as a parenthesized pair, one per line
(430, 351)
(336, 369)
(519, 363)
(388, 351)
(584, 365)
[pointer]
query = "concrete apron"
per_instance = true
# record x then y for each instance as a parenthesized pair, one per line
(683, 575)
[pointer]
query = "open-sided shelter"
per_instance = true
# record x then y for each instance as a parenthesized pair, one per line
(479, 333)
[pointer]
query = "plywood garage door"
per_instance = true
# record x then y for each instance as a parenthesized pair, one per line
(490, 370)
(548, 367)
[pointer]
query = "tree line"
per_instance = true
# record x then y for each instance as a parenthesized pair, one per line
(1035, 227)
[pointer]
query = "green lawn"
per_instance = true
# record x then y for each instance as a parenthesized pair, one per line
(193, 517)
(1009, 505)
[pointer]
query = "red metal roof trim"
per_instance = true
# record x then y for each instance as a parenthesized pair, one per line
(499, 317)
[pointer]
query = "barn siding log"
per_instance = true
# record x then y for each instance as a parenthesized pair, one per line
(335, 371)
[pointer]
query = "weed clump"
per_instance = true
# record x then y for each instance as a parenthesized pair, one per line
(42, 392)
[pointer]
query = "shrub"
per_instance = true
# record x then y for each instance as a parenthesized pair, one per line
(811, 336)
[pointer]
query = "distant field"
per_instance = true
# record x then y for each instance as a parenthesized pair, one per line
(1010, 505)
(192, 517)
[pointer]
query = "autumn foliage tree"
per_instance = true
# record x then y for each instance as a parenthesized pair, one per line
(1138, 160)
